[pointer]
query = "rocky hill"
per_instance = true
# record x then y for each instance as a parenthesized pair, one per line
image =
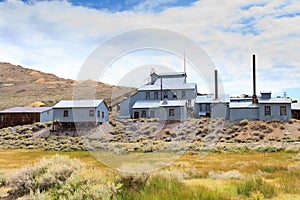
(20, 86)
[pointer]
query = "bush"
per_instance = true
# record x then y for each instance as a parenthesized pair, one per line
(254, 185)
(243, 122)
(112, 122)
(3, 179)
(43, 176)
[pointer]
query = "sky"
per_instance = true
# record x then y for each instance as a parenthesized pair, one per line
(58, 36)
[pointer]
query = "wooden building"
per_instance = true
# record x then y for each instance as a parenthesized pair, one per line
(25, 115)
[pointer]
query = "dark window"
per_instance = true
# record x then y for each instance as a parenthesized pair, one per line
(147, 95)
(183, 94)
(91, 113)
(267, 110)
(174, 95)
(171, 112)
(151, 113)
(98, 114)
(66, 113)
(48, 112)
(156, 95)
(207, 107)
(283, 110)
(143, 113)
(102, 114)
(165, 94)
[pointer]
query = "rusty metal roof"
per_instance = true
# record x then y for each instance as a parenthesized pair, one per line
(26, 110)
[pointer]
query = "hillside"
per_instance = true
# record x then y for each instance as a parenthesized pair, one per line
(20, 86)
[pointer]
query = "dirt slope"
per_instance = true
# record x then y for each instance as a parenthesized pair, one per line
(20, 86)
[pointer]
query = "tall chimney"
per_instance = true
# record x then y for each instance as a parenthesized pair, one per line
(216, 85)
(254, 97)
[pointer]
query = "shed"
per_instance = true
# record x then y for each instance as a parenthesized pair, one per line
(81, 111)
(25, 115)
(296, 110)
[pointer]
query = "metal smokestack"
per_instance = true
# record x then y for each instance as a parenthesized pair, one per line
(254, 97)
(216, 85)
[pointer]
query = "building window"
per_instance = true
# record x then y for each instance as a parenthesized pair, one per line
(48, 112)
(151, 113)
(98, 114)
(66, 113)
(174, 95)
(156, 95)
(171, 112)
(283, 110)
(91, 113)
(267, 110)
(165, 94)
(143, 114)
(102, 114)
(2, 118)
(183, 94)
(147, 95)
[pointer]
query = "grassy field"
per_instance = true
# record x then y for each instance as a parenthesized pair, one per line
(251, 175)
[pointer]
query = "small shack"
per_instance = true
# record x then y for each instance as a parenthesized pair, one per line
(25, 115)
(296, 110)
(72, 111)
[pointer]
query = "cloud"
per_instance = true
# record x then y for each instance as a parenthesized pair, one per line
(57, 36)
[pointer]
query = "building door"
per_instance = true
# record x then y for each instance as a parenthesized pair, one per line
(136, 115)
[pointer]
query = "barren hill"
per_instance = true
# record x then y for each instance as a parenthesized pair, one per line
(20, 86)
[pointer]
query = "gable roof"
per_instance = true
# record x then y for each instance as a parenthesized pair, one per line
(26, 110)
(79, 103)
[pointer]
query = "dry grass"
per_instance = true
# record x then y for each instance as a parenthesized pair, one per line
(279, 171)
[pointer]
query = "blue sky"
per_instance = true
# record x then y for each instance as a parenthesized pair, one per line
(58, 36)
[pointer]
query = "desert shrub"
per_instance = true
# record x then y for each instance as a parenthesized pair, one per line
(44, 175)
(282, 127)
(243, 122)
(112, 122)
(133, 182)
(3, 179)
(254, 185)
(268, 130)
(274, 125)
(256, 127)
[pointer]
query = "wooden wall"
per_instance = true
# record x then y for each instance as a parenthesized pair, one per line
(14, 119)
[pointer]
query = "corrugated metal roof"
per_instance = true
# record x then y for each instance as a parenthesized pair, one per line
(168, 86)
(146, 104)
(157, 104)
(275, 100)
(295, 106)
(242, 105)
(171, 103)
(204, 99)
(26, 110)
(78, 103)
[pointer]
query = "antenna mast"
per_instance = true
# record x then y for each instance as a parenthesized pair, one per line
(184, 66)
